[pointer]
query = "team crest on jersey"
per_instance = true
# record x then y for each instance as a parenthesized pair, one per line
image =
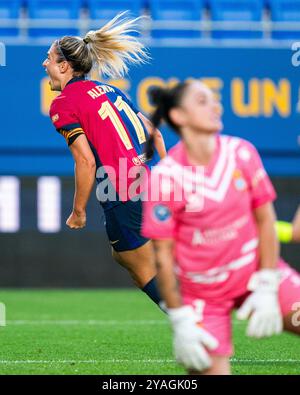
(239, 181)
(138, 160)
(55, 118)
(161, 212)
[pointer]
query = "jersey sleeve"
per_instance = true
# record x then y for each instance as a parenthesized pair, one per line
(160, 208)
(65, 119)
(260, 186)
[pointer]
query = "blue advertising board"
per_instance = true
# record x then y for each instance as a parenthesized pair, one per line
(258, 87)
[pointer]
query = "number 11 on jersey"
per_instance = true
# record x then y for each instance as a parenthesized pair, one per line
(107, 110)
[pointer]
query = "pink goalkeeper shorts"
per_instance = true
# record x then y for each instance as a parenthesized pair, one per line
(216, 318)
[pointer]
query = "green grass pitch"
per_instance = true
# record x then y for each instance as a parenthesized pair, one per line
(113, 332)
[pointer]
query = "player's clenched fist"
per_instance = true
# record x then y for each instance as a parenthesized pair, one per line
(76, 220)
(190, 342)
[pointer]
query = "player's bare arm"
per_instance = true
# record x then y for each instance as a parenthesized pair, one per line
(296, 227)
(158, 138)
(165, 273)
(262, 306)
(268, 243)
(85, 168)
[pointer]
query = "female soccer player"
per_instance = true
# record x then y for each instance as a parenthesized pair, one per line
(210, 212)
(107, 134)
(289, 232)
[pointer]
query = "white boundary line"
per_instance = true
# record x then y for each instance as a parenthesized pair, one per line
(238, 360)
(92, 322)
(73, 361)
(116, 361)
(86, 322)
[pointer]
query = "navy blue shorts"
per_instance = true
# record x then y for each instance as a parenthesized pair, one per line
(123, 226)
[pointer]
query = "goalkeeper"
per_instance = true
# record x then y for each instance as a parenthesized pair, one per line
(289, 232)
(210, 214)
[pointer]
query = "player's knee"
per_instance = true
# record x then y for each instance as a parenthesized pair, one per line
(220, 366)
(136, 278)
(213, 371)
(292, 320)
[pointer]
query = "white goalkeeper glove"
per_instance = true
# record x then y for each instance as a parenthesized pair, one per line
(262, 306)
(190, 340)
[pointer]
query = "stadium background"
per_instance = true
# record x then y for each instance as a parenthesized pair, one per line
(244, 53)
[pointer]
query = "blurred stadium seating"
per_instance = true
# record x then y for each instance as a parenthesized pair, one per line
(245, 15)
(22, 20)
(107, 9)
(9, 10)
(47, 11)
(286, 13)
(181, 17)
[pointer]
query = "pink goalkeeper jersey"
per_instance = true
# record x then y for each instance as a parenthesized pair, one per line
(208, 211)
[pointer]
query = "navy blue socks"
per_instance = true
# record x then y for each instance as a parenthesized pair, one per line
(151, 290)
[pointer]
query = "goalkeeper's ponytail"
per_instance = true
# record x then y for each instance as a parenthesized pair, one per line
(164, 100)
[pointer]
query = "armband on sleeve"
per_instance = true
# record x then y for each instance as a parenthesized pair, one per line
(71, 134)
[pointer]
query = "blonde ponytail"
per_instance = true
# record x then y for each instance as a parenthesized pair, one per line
(112, 47)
